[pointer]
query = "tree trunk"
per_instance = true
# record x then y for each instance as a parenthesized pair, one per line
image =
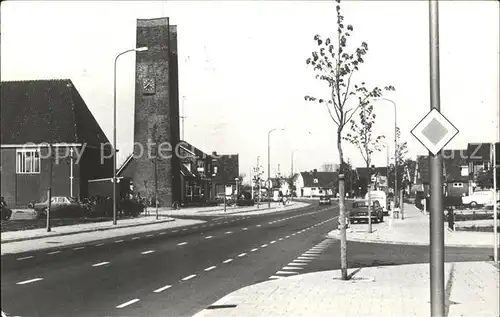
(342, 216)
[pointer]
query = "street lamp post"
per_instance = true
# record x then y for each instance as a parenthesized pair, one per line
(139, 49)
(269, 164)
(395, 151)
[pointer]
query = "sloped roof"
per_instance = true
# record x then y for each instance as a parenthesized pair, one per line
(481, 152)
(325, 179)
(46, 111)
(452, 162)
(364, 172)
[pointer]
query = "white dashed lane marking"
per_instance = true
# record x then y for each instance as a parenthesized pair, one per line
(242, 255)
(210, 268)
(25, 258)
(229, 232)
(79, 248)
(254, 249)
(148, 252)
(118, 241)
(182, 243)
(189, 277)
(53, 252)
(264, 245)
(30, 281)
(100, 264)
(98, 245)
(136, 238)
(208, 237)
(130, 302)
(227, 261)
(161, 289)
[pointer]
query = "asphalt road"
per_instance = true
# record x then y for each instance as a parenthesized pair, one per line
(180, 271)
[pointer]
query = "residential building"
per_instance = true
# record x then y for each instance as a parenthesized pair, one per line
(315, 184)
(479, 160)
(44, 117)
(225, 173)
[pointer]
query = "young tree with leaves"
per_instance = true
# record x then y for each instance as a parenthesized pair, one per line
(363, 138)
(335, 65)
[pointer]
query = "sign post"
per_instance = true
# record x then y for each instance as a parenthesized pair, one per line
(434, 132)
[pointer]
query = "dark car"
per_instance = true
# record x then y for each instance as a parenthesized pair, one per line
(245, 199)
(325, 200)
(61, 207)
(359, 211)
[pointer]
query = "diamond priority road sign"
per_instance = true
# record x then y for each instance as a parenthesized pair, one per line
(434, 131)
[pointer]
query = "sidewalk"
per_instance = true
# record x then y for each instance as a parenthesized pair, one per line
(414, 230)
(471, 290)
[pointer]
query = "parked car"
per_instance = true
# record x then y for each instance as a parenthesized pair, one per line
(359, 211)
(245, 199)
(381, 197)
(6, 213)
(325, 200)
(482, 197)
(61, 207)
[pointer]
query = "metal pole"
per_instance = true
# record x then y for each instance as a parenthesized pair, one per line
(156, 186)
(436, 173)
(251, 182)
(395, 157)
(114, 142)
(269, 167)
(71, 173)
(495, 208)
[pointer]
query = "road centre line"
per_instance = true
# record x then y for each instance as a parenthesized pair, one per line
(136, 238)
(148, 252)
(78, 248)
(100, 264)
(30, 281)
(130, 302)
(227, 261)
(98, 245)
(208, 237)
(118, 241)
(242, 255)
(161, 289)
(254, 249)
(210, 268)
(264, 245)
(182, 243)
(53, 252)
(25, 258)
(189, 277)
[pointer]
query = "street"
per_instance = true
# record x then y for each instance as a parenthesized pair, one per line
(181, 271)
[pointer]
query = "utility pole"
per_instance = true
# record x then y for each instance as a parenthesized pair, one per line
(71, 172)
(436, 177)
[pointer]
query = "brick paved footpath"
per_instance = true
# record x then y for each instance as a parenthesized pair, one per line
(471, 290)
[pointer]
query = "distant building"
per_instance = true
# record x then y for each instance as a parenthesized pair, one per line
(315, 184)
(225, 172)
(39, 113)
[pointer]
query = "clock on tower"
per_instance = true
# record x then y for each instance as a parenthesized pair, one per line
(148, 86)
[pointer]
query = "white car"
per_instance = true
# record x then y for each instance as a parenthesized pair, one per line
(483, 197)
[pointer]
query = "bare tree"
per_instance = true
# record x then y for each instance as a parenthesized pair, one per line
(362, 137)
(335, 65)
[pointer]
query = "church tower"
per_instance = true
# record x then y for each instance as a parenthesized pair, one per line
(156, 116)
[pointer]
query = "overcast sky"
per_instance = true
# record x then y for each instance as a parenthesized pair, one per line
(243, 72)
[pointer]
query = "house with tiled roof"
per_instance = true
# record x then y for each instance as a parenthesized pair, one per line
(455, 173)
(315, 184)
(46, 125)
(479, 160)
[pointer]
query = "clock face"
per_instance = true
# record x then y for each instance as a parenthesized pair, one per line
(148, 85)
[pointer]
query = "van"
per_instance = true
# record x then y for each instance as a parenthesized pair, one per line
(381, 197)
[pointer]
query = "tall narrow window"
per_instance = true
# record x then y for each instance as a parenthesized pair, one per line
(28, 161)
